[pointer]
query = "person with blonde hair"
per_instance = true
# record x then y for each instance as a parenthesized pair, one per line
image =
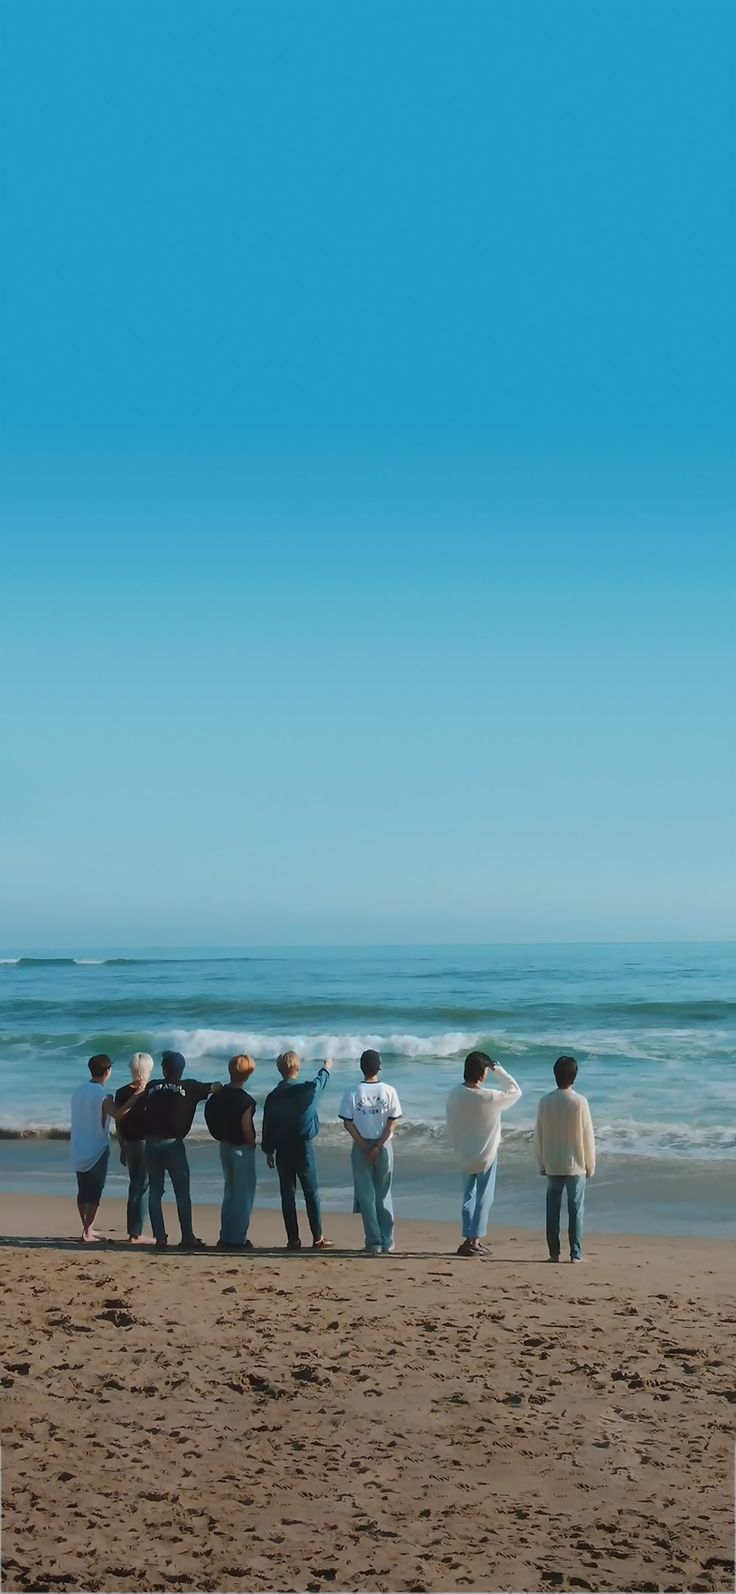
(132, 1138)
(290, 1125)
(229, 1117)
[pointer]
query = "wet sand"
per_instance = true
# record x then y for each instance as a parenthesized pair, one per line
(420, 1421)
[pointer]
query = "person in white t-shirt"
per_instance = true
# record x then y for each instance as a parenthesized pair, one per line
(474, 1130)
(93, 1111)
(564, 1146)
(369, 1112)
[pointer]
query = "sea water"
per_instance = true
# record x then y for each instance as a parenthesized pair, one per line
(653, 1028)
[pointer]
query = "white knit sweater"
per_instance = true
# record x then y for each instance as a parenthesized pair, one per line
(564, 1142)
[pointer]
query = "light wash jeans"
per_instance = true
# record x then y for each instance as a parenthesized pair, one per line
(135, 1162)
(162, 1157)
(478, 1191)
(574, 1184)
(239, 1173)
(373, 1196)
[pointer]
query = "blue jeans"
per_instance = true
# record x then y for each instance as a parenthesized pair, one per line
(239, 1173)
(373, 1195)
(478, 1191)
(574, 1183)
(135, 1162)
(292, 1163)
(162, 1157)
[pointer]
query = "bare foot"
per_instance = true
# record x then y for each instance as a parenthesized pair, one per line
(138, 1239)
(91, 1237)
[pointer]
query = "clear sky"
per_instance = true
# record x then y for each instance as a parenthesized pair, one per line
(367, 442)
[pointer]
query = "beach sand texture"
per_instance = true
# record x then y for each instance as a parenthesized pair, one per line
(311, 1422)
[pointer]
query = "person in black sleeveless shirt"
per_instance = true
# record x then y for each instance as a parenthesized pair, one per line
(132, 1138)
(229, 1118)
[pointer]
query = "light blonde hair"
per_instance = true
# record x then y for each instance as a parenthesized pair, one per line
(288, 1064)
(240, 1067)
(141, 1066)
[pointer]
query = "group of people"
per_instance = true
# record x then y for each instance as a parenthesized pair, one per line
(154, 1116)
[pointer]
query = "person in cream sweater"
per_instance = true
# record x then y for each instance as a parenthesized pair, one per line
(474, 1131)
(564, 1146)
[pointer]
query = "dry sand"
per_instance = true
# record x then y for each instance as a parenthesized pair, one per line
(419, 1421)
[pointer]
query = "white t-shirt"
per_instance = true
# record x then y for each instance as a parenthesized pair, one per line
(89, 1137)
(369, 1107)
(474, 1120)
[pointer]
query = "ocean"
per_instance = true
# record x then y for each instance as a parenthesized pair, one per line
(653, 1028)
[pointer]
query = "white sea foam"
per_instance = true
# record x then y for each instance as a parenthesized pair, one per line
(195, 1043)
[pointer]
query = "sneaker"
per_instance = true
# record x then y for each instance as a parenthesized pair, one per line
(162, 1245)
(551, 1259)
(466, 1249)
(293, 1245)
(371, 1250)
(193, 1244)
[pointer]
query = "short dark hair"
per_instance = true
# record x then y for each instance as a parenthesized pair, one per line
(476, 1064)
(370, 1062)
(173, 1063)
(99, 1065)
(565, 1071)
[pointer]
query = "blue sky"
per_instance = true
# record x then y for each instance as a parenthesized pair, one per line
(367, 442)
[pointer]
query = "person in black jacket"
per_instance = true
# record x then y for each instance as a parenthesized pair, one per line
(169, 1107)
(229, 1116)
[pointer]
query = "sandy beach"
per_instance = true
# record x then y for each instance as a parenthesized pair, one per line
(269, 1422)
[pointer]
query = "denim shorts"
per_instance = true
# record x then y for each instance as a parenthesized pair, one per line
(91, 1183)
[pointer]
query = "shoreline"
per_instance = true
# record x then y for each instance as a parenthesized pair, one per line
(628, 1195)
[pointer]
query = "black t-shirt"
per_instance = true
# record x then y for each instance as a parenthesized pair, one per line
(132, 1126)
(224, 1114)
(170, 1105)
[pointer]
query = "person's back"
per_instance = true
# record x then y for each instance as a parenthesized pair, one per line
(290, 1125)
(290, 1113)
(90, 1134)
(474, 1122)
(564, 1146)
(369, 1111)
(169, 1107)
(564, 1135)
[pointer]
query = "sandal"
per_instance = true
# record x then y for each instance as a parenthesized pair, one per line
(323, 1245)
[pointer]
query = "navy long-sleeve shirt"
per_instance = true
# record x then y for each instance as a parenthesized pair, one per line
(290, 1112)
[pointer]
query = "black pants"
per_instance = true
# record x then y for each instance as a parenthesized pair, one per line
(298, 1163)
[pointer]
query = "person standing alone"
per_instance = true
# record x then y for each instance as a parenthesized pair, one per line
(369, 1112)
(474, 1129)
(564, 1146)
